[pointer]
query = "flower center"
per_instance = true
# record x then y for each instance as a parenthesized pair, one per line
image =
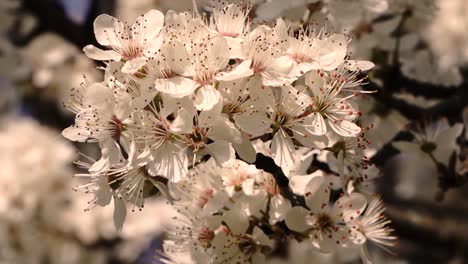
(205, 236)
(324, 222)
(247, 245)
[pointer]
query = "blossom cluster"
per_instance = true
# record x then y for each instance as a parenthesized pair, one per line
(183, 99)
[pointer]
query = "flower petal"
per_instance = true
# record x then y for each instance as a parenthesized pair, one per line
(120, 213)
(348, 207)
(345, 128)
(177, 86)
(206, 98)
(100, 55)
(134, 65)
(296, 219)
(105, 27)
(283, 152)
(317, 194)
(150, 24)
(255, 124)
(241, 71)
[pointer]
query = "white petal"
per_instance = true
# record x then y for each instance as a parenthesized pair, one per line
(241, 71)
(169, 161)
(150, 24)
(274, 78)
(134, 65)
(298, 183)
(345, 128)
(235, 47)
(218, 53)
(177, 86)
(120, 213)
(143, 100)
(376, 6)
(317, 194)
(224, 129)
(255, 124)
(75, 134)
(178, 58)
(103, 194)
(279, 207)
(104, 29)
(263, 239)
(236, 220)
(349, 207)
(317, 124)
(354, 65)
(183, 122)
(221, 151)
(309, 140)
(296, 219)
(98, 54)
(333, 52)
(283, 152)
(245, 149)
(100, 97)
(206, 98)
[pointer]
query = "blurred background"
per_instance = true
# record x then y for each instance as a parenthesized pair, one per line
(420, 48)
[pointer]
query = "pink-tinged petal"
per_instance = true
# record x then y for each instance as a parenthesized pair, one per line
(355, 65)
(177, 87)
(245, 149)
(101, 55)
(348, 207)
(345, 128)
(296, 219)
(149, 25)
(254, 124)
(283, 152)
(317, 194)
(120, 213)
(105, 27)
(134, 65)
(206, 98)
(241, 71)
(315, 124)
